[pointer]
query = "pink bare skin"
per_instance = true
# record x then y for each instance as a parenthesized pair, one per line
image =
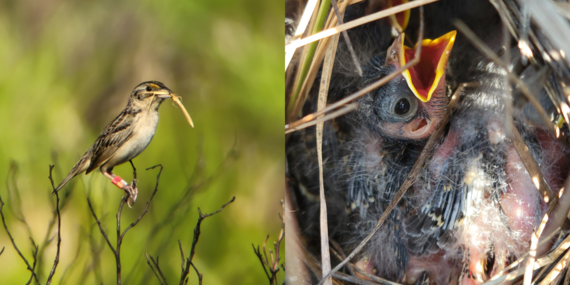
(521, 205)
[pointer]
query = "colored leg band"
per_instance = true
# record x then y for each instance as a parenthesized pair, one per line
(119, 182)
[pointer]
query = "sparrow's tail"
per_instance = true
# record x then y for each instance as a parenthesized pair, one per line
(79, 167)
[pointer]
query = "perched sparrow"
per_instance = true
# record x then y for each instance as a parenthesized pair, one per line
(125, 137)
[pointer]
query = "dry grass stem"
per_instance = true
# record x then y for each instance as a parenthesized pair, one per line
(355, 23)
(322, 102)
(343, 110)
(309, 79)
(374, 278)
(303, 23)
(352, 279)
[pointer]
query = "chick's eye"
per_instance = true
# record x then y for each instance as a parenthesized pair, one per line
(402, 107)
(148, 89)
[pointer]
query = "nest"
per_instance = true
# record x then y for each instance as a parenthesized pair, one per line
(539, 30)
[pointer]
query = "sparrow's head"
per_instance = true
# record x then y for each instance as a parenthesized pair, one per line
(149, 94)
(411, 105)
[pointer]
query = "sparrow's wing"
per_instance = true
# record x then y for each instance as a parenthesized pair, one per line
(111, 139)
(79, 167)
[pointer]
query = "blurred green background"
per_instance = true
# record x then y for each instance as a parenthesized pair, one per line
(68, 68)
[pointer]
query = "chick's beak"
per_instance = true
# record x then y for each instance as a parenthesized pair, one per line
(400, 20)
(424, 77)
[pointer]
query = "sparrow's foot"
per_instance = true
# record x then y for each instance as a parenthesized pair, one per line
(133, 192)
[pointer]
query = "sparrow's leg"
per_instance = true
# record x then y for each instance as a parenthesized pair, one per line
(122, 184)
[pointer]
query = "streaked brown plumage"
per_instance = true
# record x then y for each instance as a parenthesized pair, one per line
(125, 137)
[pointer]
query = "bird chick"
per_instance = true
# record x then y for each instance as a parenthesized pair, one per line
(410, 106)
(403, 112)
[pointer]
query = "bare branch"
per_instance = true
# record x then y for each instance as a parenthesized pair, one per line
(56, 259)
(35, 256)
(272, 263)
(121, 236)
(30, 268)
(99, 224)
(186, 268)
(155, 268)
(147, 203)
(197, 273)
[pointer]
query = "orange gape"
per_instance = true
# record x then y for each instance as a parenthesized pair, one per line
(424, 77)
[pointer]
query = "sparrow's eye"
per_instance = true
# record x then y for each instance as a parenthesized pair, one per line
(148, 89)
(402, 107)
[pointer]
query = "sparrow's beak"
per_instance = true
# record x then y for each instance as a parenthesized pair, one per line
(164, 94)
(424, 77)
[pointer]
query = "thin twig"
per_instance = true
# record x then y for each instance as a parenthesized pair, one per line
(56, 259)
(100, 226)
(374, 278)
(197, 273)
(16, 200)
(155, 268)
(120, 236)
(147, 203)
(337, 250)
(201, 217)
(119, 239)
(263, 262)
(352, 279)
(35, 256)
(30, 268)
(271, 265)
(174, 216)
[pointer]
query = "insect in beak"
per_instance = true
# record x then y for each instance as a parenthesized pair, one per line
(165, 94)
(178, 101)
